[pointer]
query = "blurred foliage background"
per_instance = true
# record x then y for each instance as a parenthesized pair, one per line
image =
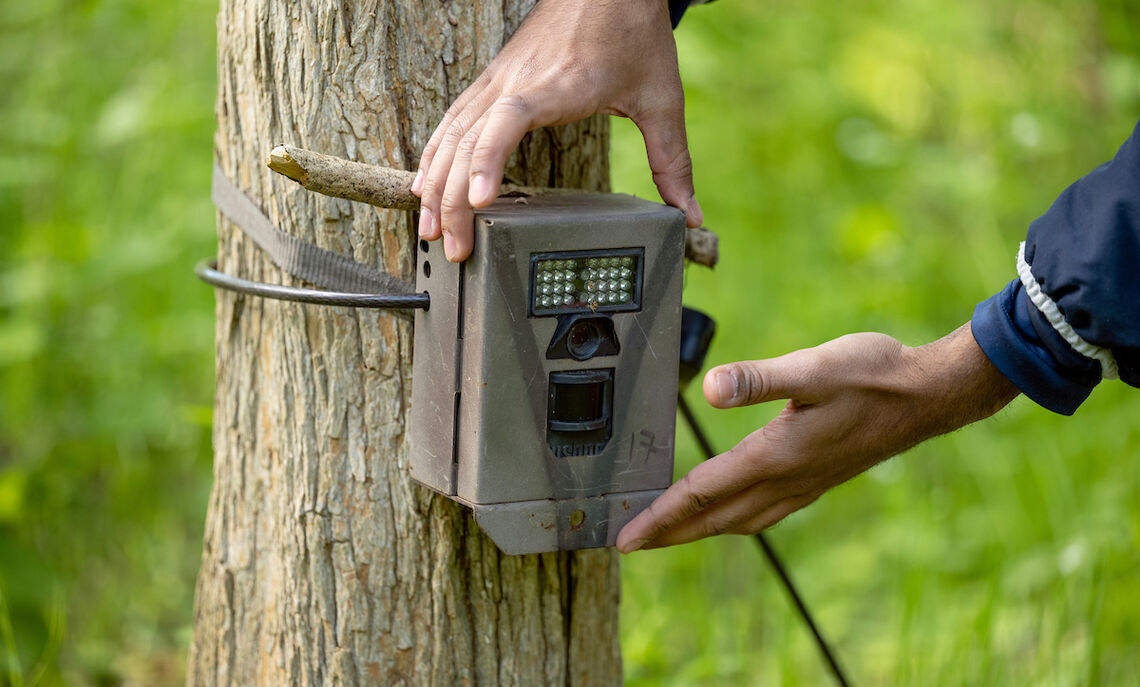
(869, 166)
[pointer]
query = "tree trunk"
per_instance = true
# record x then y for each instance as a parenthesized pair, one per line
(323, 562)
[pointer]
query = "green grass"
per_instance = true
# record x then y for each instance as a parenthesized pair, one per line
(869, 166)
(106, 352)
(872, 166)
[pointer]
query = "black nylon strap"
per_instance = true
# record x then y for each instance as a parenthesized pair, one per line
(300, 258)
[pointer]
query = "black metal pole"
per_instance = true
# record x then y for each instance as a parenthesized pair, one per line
(773, 558)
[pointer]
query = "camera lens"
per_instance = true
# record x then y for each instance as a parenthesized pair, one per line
(583, 339)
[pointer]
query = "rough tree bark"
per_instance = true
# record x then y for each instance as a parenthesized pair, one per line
(323, 563)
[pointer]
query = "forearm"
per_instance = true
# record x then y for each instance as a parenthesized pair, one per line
(959, 372)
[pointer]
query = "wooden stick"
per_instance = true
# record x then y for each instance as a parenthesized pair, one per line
(701, 246)
(391, 188)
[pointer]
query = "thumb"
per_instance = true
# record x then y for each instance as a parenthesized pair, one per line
(756, 381)
(668, 151)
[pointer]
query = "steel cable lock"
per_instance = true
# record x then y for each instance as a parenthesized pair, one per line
(566, 336)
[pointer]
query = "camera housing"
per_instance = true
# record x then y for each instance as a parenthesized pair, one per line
(545, 371)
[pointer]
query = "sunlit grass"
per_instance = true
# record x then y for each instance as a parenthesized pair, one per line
(869, 166)
(105, 341)
(872, 167)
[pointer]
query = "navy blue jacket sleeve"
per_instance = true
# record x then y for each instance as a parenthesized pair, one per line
(677, 9)
(1073, 314)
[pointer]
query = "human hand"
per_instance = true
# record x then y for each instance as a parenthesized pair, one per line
(854, 402)
(569, 59)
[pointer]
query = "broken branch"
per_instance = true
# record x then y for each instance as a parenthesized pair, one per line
(392, 188)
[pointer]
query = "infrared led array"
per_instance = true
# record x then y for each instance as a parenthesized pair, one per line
(585, 282)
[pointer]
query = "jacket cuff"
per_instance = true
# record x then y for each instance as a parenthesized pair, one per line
(1004, 327)
(677, 9)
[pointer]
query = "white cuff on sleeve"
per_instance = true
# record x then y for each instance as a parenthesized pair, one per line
(1053, 314)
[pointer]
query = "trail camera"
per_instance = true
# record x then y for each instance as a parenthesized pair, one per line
(545, 374)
